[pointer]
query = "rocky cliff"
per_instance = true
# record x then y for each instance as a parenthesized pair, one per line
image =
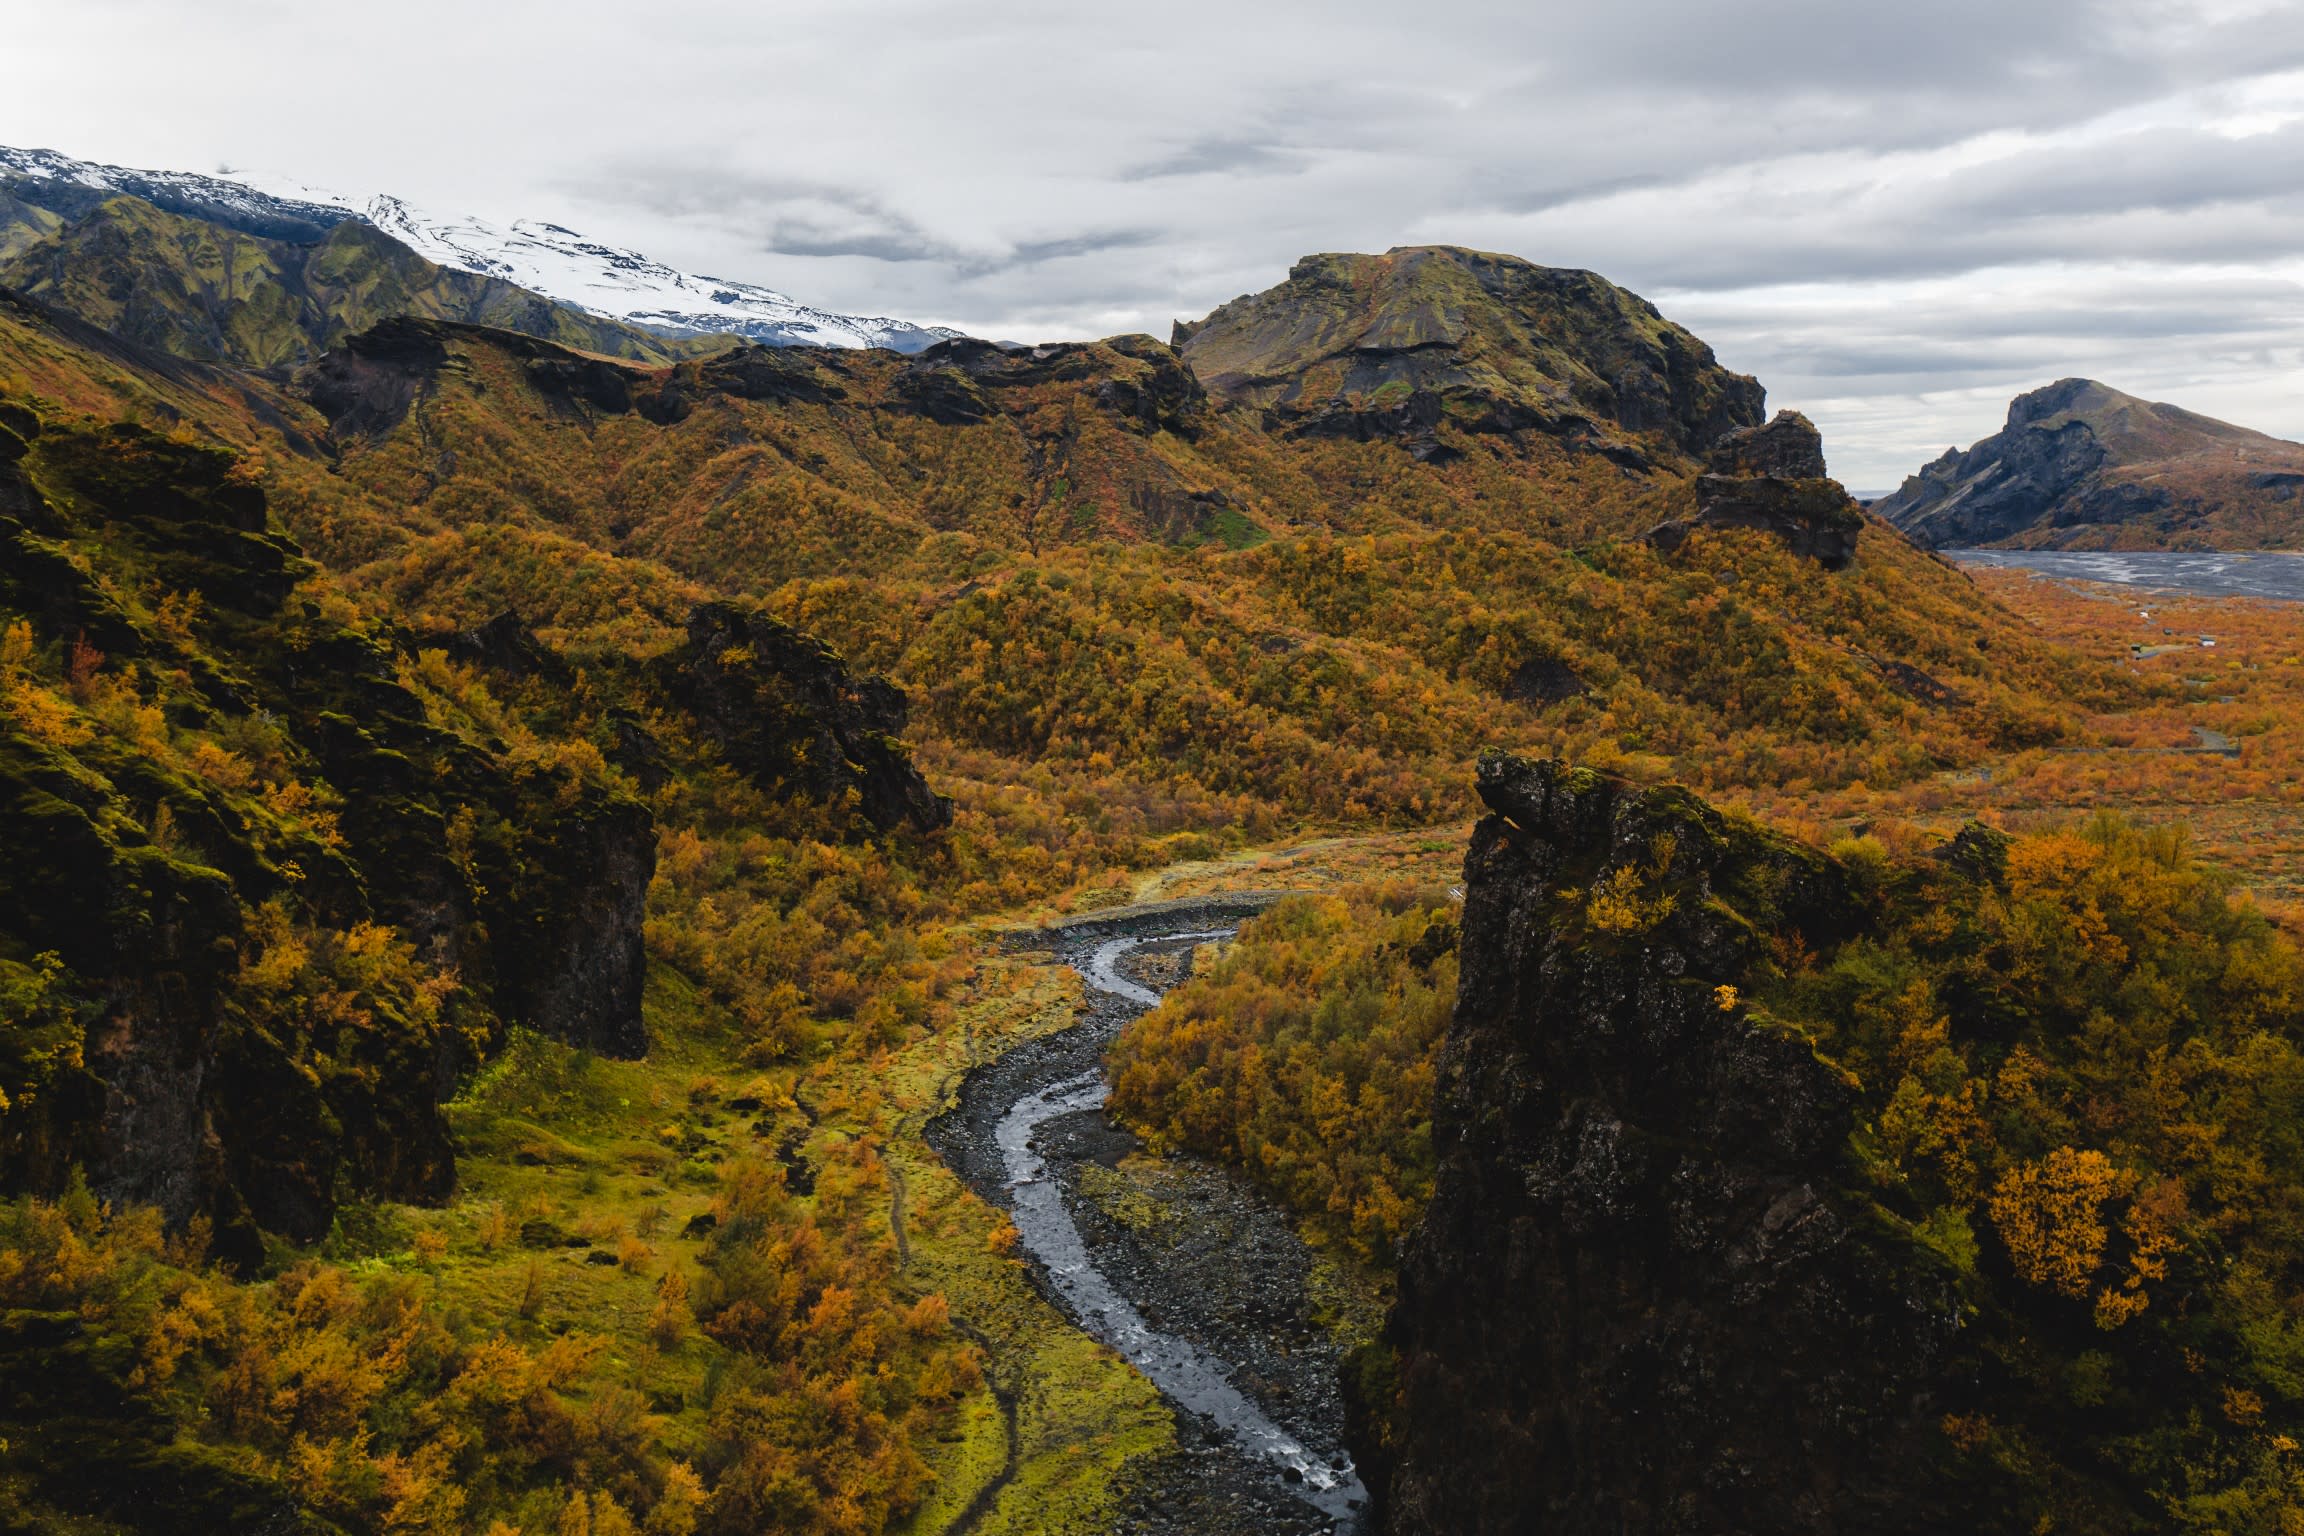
(259, 906)
(1394, 346)
(2082, 466)
(791, 716)
(1772, 478)
(1641, 1301)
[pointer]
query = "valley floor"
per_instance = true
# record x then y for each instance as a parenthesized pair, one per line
(585, 1182)
(2226, 670)
(1063, 1435)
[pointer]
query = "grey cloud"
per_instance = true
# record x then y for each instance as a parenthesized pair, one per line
(2174, 170)
(1030, 253)
(804, 237)
(2192, 197)
(780, 216)
(1218, 156)
(813, 219)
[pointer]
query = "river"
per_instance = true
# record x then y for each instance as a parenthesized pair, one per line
(2202, 573)
(1228, 1344)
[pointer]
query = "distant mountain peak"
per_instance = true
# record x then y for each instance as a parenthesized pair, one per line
(2083, 465)
(1393, 345)
(545, 258)
(625, 285)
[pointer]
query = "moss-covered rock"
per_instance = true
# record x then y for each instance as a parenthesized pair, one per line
(258, 908)
(1397, 345)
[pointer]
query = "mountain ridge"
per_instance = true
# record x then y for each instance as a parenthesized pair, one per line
(214, 292)
(559, 263)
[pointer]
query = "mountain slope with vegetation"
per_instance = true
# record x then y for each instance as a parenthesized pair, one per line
(482, 679)
(212, 292)
(1072, 555)
(2082, 466)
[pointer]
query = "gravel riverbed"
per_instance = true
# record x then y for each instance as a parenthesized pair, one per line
(1188, 1270)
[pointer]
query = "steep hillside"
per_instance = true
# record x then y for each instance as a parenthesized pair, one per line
(23, 224)
(1398, 345)
(64, 189)
(224, 808)
(1073, 556)
(209, 291)
(2082, 466)
(40, 189)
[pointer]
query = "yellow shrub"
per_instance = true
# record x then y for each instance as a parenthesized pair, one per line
(2049, 1213)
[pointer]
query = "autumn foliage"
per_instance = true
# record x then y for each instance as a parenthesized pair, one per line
(1304, 1054)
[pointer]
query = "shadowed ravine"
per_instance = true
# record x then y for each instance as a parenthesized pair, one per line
(1268, 1437)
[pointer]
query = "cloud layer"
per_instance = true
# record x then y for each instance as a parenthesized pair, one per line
(1896, 215)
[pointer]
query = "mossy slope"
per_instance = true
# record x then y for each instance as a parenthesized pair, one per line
(206, 291)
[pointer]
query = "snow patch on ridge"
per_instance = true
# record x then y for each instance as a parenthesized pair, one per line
(544, 258)
(625, 285)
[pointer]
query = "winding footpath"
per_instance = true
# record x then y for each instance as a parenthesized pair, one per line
(1187, 1375)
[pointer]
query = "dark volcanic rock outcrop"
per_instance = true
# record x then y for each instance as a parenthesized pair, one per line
(2082, 466)
(1640, 1301)
(368, 383)
(791, 716)
(570, 948)
(1395, 346)
(144, 1041)
(1788, 447)
(1772, 478)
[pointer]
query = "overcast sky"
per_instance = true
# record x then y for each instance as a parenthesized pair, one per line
(1896, 212)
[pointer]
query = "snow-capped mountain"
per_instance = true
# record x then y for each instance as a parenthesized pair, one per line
(625, 285)
(545, 258)
(71, 187)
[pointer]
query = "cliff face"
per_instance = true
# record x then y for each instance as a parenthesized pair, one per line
(1772, 478)
(2083, 466)
(1639, 1302)
(790, 716)
(258, 908)
(1390, 346)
